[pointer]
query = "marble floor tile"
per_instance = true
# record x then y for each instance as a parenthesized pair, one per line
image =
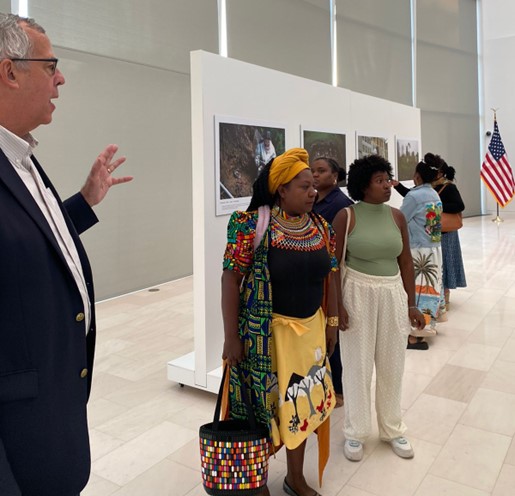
(99, 487)
(432, 418)
(501, 377)
(124, 464)
(505, 485)
(508, 352)
(104, 383)
(475, 356)
(472, 457)
(436, 486)
(413, 385)
(139, 419)
(427, 363)
(491, 411)
(101, 410)
(456, 383)
(188, 455)
(167, 478)
(102, 444)
(510, 456)
(386, 474)
(490, 335)
(349, 490)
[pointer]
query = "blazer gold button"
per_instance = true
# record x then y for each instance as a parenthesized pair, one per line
(83, 373)
(79, 317)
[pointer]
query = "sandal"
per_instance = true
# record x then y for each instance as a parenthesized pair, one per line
(289, 490)
(418, 345)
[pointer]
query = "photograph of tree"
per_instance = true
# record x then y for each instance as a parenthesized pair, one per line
(407, 158)
(372, 145)
(324, 144)
(242, 152)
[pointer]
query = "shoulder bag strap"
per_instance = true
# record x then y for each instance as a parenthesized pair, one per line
(344, 252)
(442, 188)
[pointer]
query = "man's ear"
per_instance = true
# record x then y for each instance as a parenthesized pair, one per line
(8, 73)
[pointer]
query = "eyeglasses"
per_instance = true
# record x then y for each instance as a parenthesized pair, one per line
(53, 60)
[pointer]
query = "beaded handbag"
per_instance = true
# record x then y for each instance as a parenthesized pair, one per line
(234, 453)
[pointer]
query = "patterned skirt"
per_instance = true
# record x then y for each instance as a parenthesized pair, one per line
(304, 385)
(453, 270)
(428, 282)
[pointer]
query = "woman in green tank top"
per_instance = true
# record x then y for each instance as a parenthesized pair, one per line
(378, 305)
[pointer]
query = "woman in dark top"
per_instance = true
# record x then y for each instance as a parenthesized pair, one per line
(330, 200)
(453, 270)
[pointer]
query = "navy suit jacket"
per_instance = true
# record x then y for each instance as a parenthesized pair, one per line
(46, 358)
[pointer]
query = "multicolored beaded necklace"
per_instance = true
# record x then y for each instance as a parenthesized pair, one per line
(294, 232)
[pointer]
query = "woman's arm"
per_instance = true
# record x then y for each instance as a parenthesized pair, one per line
(408, 272)
(331, 329)
(400, 188)
(233, 350)
(340, 227)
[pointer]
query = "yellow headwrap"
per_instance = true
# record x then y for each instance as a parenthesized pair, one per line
(286, 166)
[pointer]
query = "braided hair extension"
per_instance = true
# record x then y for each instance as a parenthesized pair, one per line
(260, 193)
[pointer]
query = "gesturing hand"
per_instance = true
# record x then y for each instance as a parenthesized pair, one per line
(100, 179)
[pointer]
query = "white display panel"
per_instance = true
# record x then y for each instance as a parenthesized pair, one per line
(221, 86)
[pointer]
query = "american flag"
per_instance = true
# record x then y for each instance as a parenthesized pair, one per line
(496, 171)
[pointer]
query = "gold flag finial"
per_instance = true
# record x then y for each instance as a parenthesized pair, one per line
(495, 113)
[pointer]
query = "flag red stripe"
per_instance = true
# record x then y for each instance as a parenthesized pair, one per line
(507, 168)
(492, 174)
(497, 198)
(492, 180)
(498, 170)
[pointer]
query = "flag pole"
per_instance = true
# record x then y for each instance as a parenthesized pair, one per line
(497, 218)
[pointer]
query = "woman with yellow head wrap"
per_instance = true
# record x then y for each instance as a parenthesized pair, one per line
(277, 327)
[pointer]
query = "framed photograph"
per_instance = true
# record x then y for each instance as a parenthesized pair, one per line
(371, 145)
(242, 149)
(326, 144)
(408, 156)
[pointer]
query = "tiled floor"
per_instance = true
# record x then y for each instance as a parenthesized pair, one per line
(459, 397)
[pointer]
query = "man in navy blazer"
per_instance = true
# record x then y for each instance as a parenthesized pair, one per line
(47, 313)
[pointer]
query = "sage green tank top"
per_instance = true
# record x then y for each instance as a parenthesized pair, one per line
(375, 241)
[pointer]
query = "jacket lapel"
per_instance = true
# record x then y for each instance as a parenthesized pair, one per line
(15, 185)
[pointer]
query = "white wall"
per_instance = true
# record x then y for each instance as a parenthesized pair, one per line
(499, 78)
(144, 235)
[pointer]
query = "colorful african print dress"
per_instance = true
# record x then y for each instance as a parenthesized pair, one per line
(286, 368)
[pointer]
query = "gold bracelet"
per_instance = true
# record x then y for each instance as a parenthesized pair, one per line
(332, 321)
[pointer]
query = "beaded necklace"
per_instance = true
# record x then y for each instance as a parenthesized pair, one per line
(294, 232)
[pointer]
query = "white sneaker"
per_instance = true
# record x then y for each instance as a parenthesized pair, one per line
(402, 447)
(353, 450)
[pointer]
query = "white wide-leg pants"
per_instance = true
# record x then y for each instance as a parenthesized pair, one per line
(378, 331)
